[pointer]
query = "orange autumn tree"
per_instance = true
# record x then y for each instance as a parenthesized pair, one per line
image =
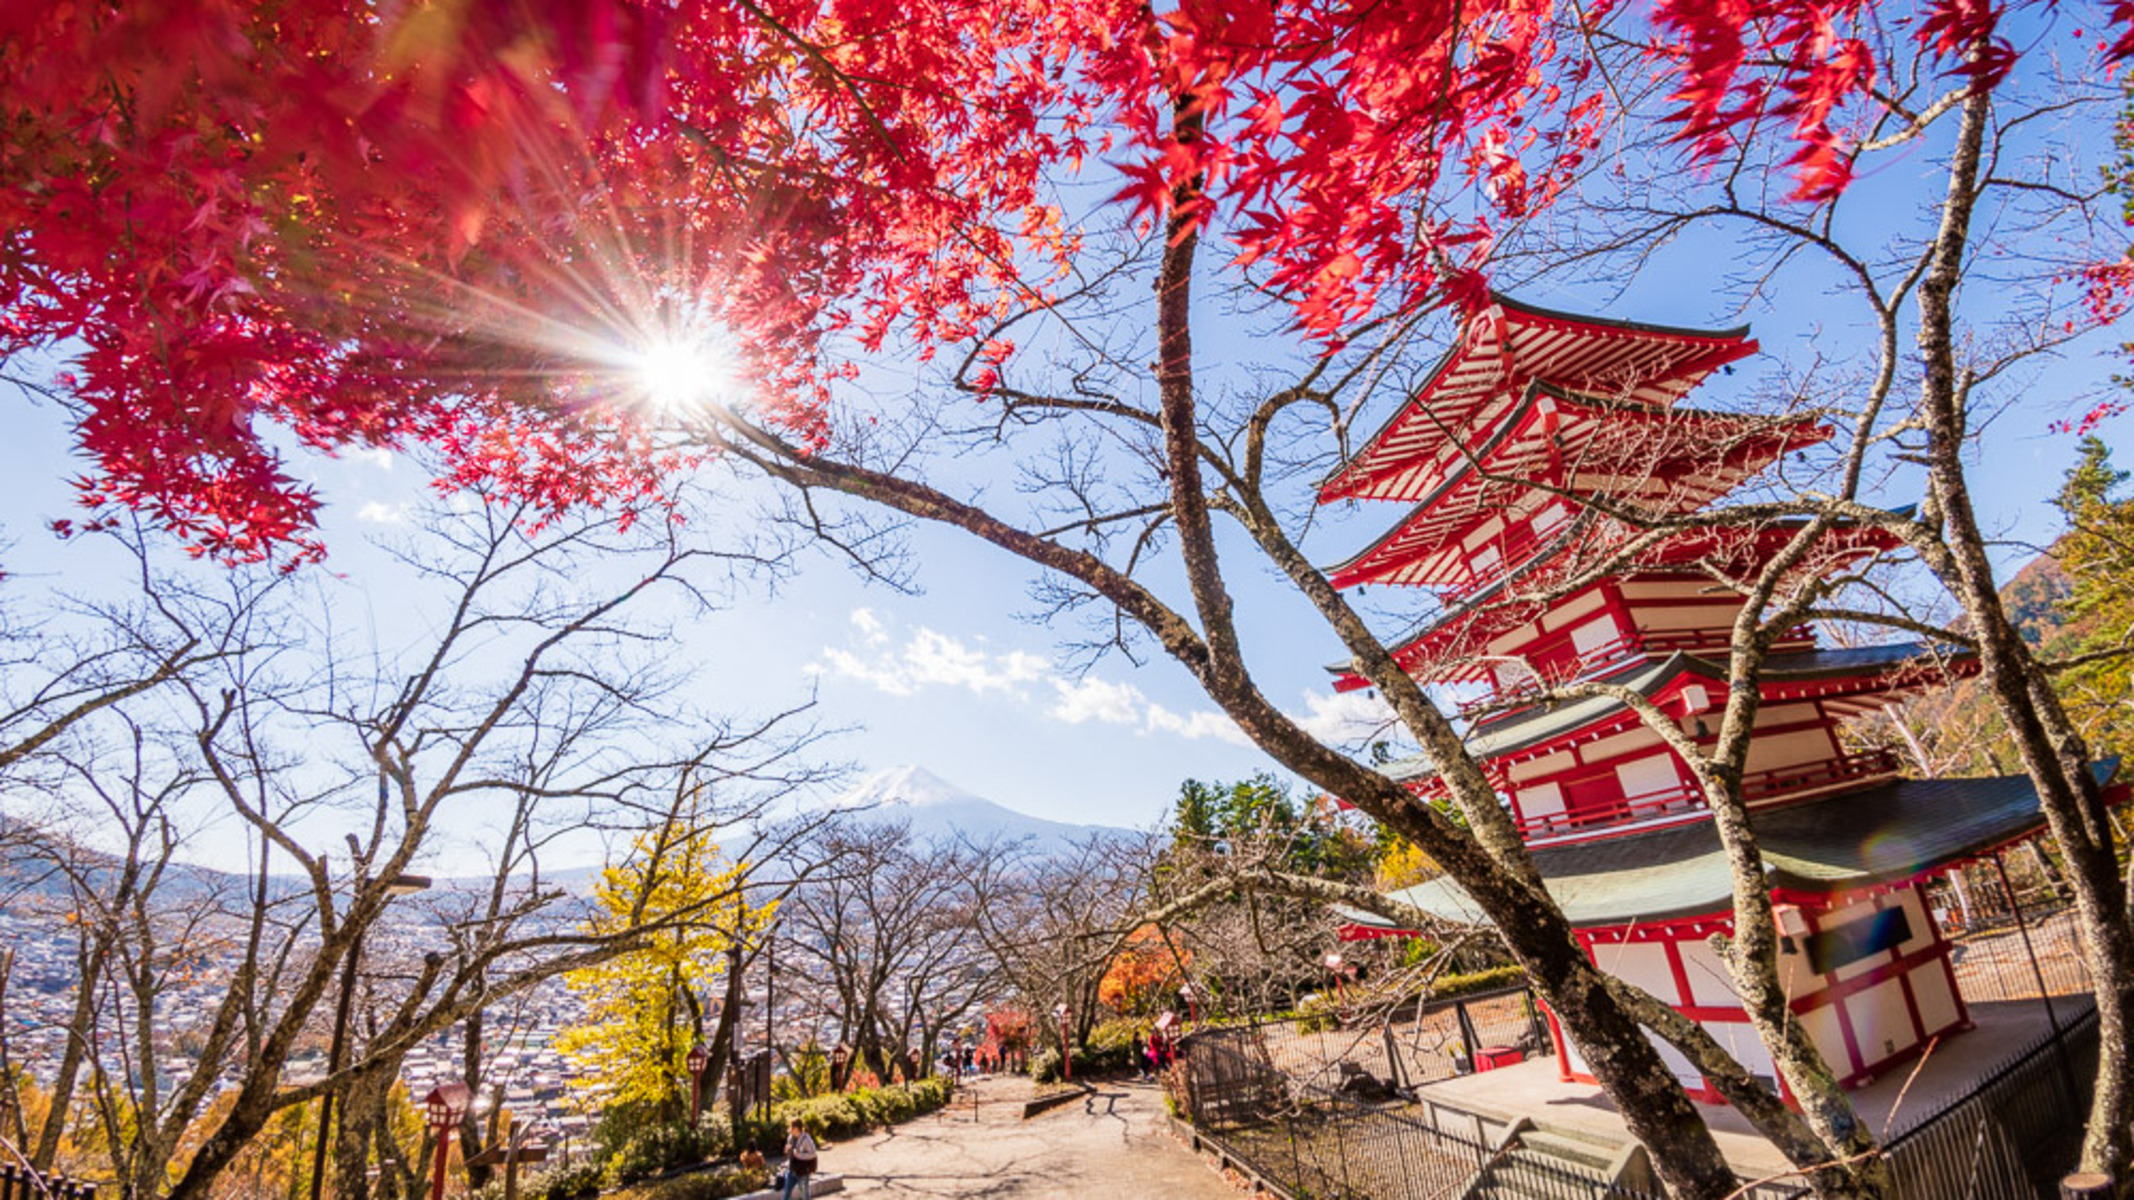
(1143, 974)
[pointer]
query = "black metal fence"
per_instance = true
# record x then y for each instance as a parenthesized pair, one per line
(1331, 1114)
(2008, 942)
(1406, 1047)
(21, 1183)
(1306, 1141)
(2011, 1136)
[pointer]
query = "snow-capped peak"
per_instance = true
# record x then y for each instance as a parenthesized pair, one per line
(908, 785)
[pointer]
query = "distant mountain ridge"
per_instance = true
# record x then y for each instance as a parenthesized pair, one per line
(936, 808)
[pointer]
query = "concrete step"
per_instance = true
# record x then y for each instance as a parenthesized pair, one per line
(823, 1185)
(1611, 1142)
(1573, 1152)
(1527, 1175)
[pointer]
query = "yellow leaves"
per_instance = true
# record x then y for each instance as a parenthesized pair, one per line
(1404, 865)
(642, 1007)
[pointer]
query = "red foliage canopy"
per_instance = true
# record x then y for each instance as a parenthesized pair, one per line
(455, 223)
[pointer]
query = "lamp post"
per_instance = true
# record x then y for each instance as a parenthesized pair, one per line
(838, 1058)
(401, 885)
(1338, 968)
(1066, 1055)
(698, 1059)
(445, 1105)
(1191, 996)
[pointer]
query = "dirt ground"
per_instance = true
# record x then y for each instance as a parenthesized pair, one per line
(1112, 1146)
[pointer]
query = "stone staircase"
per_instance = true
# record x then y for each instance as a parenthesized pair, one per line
(1540, 1162)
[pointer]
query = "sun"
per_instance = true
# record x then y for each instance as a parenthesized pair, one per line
(677, 375)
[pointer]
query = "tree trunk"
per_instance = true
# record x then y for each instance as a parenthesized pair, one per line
(64, 1078)
(2052, 752)
(470, 1126)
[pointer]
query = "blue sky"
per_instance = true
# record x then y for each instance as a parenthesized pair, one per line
(955, 678)
(951, 677)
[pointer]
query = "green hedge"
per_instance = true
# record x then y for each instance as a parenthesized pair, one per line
(842, 1114)
(1109, 1050)
(1487, 980)
(556, 1183)
(718, 1183)
(631, 1148)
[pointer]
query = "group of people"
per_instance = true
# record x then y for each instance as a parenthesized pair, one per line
(1154, 1056)
(962, 1060)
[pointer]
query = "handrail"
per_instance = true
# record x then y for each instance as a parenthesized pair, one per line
(1847, 767)
(1762, 785)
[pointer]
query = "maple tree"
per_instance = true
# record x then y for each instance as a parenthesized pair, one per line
(1144, 974)
(460, 225)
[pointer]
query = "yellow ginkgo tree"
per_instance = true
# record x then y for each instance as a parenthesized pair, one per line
(646, 1008)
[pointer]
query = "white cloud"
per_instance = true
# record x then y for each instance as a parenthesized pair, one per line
(933, 657)
(843, 662)
(902, 665)
(1093, 699)
(1197, 725)
(928, 658)
(1344, 718)
(870, 627)
(378, 513)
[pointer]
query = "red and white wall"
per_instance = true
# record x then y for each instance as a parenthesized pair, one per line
(1866, 1014)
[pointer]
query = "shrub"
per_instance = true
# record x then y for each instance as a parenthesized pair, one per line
(556, 1183)
(1111, 1046)
(718, 1183)
(1323, 1012)
(1486, 980)
(652, 1149)
(1045, 1066)
(845, 1113)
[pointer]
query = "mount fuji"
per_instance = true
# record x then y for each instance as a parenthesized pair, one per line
(936, 808)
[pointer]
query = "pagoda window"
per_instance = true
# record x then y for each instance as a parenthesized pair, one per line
(1512, 676)
(1562, 615)
(1540, 802)
(1649, 778)
(1774, 750)
(1545, 767)
(1709, 984)
(1595, 636)
(1851, 941)
(1551, 518)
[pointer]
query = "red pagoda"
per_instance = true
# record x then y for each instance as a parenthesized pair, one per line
(1528, 458)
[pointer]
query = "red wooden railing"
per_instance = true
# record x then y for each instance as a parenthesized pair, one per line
(1780, 781)
(1762, 785)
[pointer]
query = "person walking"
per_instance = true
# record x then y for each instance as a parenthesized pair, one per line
(800, 1151)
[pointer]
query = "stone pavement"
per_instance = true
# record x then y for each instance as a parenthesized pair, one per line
(1114, 1145)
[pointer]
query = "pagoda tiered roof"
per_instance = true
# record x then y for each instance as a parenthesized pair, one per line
(1849, 682)
(1454, 646)
(1501, 350)
(1887, 834)
(1658, 461)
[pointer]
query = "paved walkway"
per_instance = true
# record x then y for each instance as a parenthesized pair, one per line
(1113, 1146)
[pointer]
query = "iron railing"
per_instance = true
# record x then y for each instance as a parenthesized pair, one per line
(21, 1183)
(2014, 1133)
(1304, 1141)
(1407, 1047)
